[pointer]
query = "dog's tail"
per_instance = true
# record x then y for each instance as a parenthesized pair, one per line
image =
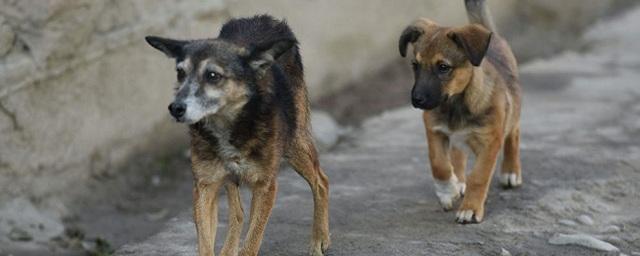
(478, 12)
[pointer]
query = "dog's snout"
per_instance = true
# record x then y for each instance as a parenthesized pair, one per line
(426, 102)
(177, 110)
(418, 101)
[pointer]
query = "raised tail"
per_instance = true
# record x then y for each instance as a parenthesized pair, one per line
(479, 13)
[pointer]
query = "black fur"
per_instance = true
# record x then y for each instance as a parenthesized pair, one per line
(271, 97)
(409, 35)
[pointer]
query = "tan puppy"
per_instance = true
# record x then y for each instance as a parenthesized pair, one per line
(466, 81)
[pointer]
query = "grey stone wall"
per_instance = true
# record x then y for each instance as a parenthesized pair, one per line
(80, 90)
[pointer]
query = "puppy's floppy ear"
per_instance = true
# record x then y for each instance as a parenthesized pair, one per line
(474, 39)
(261, 56)
(409, 35)
(172, 48)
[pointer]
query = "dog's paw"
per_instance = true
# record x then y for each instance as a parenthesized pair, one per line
(468, 214)
(319, 247)
(510, 180)
(449, 191)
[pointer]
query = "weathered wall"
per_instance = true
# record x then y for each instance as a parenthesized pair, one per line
(80, 90)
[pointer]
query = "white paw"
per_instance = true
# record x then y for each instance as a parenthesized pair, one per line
(449, 191)
(465, 216)
(510, 180)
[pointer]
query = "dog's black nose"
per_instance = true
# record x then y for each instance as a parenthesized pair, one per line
(418, 102)
(177, 110)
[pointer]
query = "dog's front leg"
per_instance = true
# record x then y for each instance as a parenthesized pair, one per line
(486, 148)
(448, 188)
(262, 201)
(236, 215)
(205, 214)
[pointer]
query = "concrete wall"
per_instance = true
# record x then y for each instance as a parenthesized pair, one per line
(80, 90)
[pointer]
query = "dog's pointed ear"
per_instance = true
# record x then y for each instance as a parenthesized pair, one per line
(171, 47)
(409, 35)
(474, 39)
(261, 57)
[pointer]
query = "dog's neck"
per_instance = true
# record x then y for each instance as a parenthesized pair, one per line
(477, 95)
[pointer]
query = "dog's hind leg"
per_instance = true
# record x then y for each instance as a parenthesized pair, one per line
(205, 214)
(303, 157)
(510, 175)
(262, 201)
(236, 215)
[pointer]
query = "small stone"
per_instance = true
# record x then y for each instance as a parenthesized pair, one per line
(582, 240)
(611, 229)
(18, 234)
(585, 219)
(504, 252)
(326, 130)
(613, 239)
(567, 222)
(158, 215)
(7, 37)
(155, 180)
(635, 253)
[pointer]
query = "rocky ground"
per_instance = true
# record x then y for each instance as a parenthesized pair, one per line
(581, 166)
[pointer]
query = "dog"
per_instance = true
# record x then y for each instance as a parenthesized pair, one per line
(466, 81)
(244, 99)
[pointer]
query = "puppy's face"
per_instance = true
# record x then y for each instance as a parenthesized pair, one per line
(214, 76)
(443, 59)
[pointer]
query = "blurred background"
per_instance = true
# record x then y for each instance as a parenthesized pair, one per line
(90, 160)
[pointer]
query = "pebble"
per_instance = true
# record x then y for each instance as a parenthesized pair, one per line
(18, 234)
(582, 240)
(613, 239)
(158, 215)
(612, 229)
(585, 219)
(635, 253)
(155, 180)
(504, 252)
(567, 222)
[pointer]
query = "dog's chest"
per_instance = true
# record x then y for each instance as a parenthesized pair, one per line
(457, 138)
(232, 158)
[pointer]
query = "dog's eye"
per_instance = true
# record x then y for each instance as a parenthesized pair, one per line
(443, 68)
(212, 77)
(180, 74)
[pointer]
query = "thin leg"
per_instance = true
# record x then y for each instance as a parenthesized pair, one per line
(472, 208)
(305, 161)
(448, 188)
(205, 205)
(262, 201)
(236, 215)
(459, 162)
(511, 175)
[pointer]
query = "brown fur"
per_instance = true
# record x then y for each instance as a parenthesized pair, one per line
(482, 103)
(260, 175)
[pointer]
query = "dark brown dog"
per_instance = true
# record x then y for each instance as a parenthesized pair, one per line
(466, 81)
(244, 98)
